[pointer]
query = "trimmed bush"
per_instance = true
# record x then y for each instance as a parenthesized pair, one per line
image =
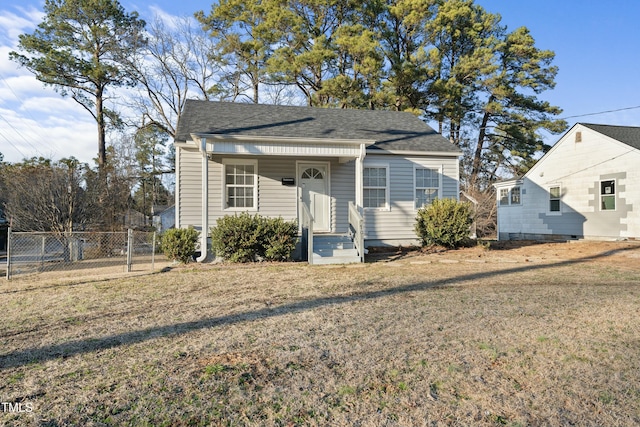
(445, 222)
(179, 244)
(280, 238)
(247, 238)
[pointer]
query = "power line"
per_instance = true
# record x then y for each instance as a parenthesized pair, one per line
(13, 145)
(21, 135)
(6, 83)
(601, 112)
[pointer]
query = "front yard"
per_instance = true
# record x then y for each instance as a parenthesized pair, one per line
(543, 334)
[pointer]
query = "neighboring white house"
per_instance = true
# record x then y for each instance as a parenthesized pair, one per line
(586, 187)
(164, 218)
(274, 160)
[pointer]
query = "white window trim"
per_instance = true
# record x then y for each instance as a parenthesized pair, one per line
(549, 211)
(387, 205)
(615, 195)
(500, 190)
(236, 161)
(415, 184)
(509, 191)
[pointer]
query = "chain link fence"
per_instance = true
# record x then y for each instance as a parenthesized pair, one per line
(81, 252)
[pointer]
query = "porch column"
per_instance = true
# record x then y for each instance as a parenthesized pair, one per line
(359, 170)
(205, 201)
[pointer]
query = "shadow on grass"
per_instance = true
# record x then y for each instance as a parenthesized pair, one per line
(72, 348)
(125, 276)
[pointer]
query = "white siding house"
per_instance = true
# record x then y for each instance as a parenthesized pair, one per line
(586, 187)
(276, 160)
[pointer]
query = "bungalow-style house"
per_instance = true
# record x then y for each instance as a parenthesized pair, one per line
(351, 178)
(586, 187)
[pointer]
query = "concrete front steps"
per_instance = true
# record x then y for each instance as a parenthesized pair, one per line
(334, 249)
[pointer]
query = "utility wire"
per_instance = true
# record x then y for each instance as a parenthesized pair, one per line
(21, 135)
(13, 145)
(6, 83)
(601, 112)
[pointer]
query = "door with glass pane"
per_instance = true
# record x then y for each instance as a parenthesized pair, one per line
(314, 192)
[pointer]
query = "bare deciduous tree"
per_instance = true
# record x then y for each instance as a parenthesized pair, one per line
(176, 64)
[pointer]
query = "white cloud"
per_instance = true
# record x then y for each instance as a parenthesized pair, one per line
(34, 119)
(54, 135)
(12, 25)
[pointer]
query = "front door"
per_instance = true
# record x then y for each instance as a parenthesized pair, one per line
(314, 189)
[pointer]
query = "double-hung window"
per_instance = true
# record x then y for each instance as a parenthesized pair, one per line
(375, 187)
(427, 186)
(240, 184)
(608, 195)
(554, 199)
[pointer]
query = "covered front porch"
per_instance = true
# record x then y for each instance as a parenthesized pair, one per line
(318, 182)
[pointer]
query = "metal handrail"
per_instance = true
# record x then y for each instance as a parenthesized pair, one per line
(356, 225)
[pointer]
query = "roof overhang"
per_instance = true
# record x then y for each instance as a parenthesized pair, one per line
(507, 183)
(407, 153)
(280, 146)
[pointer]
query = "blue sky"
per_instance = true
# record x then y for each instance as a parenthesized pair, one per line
(596, 45)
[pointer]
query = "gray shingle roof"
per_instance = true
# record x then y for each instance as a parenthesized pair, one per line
(394, 131)
(629, 135)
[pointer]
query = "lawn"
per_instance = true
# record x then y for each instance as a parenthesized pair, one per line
(533, 335)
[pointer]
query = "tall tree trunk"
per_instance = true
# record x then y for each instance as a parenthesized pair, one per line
(102, 151)
(477, 155)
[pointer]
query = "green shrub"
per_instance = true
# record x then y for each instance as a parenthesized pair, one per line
(236, 237)
(246, 238)
(280, 238)
(444, 222)
(179, 244)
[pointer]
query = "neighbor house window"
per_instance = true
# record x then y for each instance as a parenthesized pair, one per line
(608, 195)
(375, 184)
(509, 196)
(515, 195)
(240, 186)
(504, 197)
(554, 199)
(427, 186)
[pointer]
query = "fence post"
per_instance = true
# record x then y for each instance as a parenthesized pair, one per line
(153, 253)
(129, 249)
(42, 247)
(9, 253)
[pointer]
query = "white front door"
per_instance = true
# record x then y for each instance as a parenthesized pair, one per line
(314, 189)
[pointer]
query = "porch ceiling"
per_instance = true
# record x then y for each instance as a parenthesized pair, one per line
(269, 146)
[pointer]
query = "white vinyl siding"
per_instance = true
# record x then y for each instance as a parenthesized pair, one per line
(396, 224)
(343, 190)
(189, 188)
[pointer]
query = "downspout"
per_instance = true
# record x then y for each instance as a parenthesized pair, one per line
(359, 172)
(205, 201)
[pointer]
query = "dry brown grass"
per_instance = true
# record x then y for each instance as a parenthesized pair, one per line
(531, 335)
